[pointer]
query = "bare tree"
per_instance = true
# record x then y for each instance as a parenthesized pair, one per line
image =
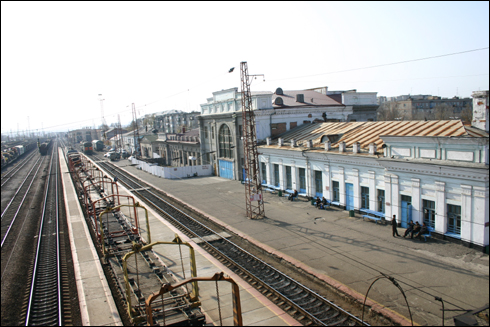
(444, 112)
(390, 111)
(467, 114)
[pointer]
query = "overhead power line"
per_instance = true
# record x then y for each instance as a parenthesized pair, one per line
(382, 65)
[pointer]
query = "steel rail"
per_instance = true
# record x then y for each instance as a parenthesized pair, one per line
(4, 237)
(42, 279)
(20, 187)
(297, 284)
(5, 179)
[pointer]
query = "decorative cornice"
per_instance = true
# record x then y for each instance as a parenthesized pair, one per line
(440, 186)
(355, 172)
(415, 182)
(466, 189)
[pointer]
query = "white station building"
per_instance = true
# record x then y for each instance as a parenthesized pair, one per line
(426, 171)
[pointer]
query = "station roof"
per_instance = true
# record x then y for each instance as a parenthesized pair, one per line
(311, 99)
(371, 132)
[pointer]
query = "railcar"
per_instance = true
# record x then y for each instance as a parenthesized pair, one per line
(98, 145)
(86, 147)
(117, 232)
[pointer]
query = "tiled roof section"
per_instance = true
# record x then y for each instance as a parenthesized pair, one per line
(371, 132)
(311, 98)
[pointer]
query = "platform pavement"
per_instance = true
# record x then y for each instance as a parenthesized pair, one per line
(346, 252)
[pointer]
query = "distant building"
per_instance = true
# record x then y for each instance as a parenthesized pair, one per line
(111, 132)
(180, 149)
(175, 121)
(84, 135)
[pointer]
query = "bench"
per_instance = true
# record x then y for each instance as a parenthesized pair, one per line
(429, 230)
(376, 219)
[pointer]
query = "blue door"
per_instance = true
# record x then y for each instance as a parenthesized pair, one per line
(406, 210)
(244, 174)
(349, 196)
(226, 169)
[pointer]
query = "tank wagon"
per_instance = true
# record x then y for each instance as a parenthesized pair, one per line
(86, 147)
(98, 145)
(150, 291)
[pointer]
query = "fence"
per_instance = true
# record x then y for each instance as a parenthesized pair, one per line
(173, 172)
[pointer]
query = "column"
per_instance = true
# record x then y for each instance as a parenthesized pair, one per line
(327, 192)
(416, 201)
(466, 223)
(309, 188)
(395, 199)
(372, 190)
(342, 187)
(441, 218)
(268, 170)
(388, 211)
(282, 178)
(294, 176)
(357, 189)
(480, 215)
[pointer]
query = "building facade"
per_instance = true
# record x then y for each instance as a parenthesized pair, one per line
(426, 171)
(84, 135)
(175, 121)
(221, 126)
(179, 149)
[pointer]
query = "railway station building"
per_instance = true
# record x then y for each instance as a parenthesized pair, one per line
(426, 171)
(221, 127)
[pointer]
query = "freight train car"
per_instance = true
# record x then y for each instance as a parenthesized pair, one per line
(86, 147)
(98, 145)
(44, 147)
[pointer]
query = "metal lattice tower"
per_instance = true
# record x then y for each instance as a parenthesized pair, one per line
(136, 133)
(253, 192)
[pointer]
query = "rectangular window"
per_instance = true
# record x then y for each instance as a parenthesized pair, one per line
(454, 219)
(289, 181)
(336, 191)
(264, 173)
(364, 197)
(318, 183)
(381, 201)
(276, 175)
(240, 130)
(429, 213)
(302, 180)
(205, 132)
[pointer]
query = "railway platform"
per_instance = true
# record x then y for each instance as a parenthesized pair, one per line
(345, 252)
(96, 302)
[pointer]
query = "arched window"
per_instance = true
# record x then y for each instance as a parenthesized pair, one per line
(225, 142)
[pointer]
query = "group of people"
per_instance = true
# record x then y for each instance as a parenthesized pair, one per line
(320, 204)
(412, 229)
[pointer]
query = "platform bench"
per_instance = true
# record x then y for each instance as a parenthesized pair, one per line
(376, 219)
(427, 235)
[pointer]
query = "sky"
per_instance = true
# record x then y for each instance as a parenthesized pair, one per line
(57, 57)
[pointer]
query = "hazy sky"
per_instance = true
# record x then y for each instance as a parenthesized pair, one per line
(58, 56)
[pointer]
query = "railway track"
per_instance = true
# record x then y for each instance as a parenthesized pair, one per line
(44, 300)
(302, 303)
(18, 166)
(12, 209)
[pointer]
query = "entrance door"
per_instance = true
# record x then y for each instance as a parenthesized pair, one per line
(349, 196)
(406, 210)
(226, 169)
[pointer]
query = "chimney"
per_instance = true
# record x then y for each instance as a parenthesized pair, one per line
(280, 141)
(328, 145)
(342, 147)
(268, 140)
(293, 143)
(300, 98)
(480, 110)
(309, 143)
(372, 148)
(356, 147)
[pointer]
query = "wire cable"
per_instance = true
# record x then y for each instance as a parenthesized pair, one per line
(381, 65)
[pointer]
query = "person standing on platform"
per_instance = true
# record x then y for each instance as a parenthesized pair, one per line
(393, 226)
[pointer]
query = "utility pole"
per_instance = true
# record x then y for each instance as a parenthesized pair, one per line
(136, 132)
(253, 191)
(102, 112)
(119, 132)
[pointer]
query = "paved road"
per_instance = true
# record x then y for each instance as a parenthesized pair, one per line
(344, 250)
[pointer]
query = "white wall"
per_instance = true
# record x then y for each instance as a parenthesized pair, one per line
(173, 172)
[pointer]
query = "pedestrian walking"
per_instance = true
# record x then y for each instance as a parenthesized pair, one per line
(393, 226)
